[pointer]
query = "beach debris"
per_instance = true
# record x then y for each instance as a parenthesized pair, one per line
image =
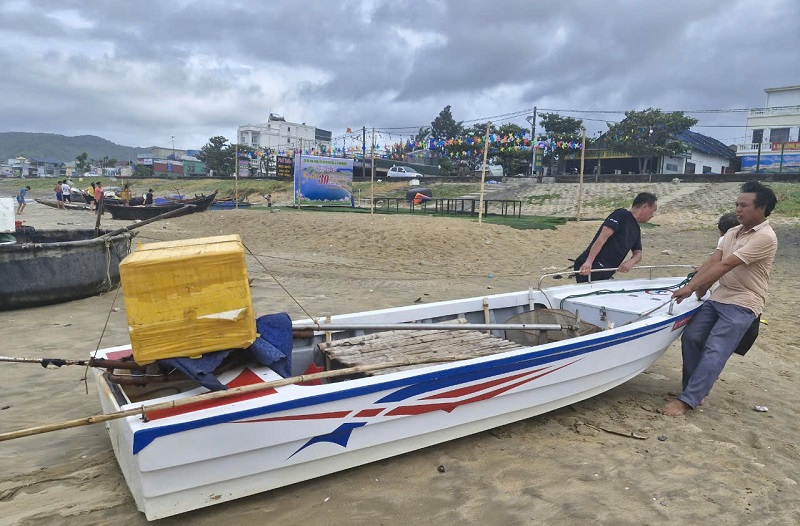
(418, 300)
(441, 469)
(662, 438)
(666, 252)
(760, 408)
(617, 431)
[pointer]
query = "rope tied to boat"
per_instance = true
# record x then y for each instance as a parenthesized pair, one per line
(626, 291)
(313, 318)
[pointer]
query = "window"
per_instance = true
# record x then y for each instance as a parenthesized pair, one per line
(288, 129)
(672, 167)
(779, 135)
(689, 168)
(758, 136)
(706, 169)
(288, 140)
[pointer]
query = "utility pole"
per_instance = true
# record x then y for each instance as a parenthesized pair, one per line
(483, 172)
(533, 141)
(580, 188)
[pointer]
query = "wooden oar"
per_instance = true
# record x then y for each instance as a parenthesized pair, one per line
(218, 395)
(91, 362)
(166, 215)
(308, 331)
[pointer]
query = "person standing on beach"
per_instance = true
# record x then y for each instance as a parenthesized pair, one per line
(618, 235)
(98, 194)
(21, 199)
(742, 268)
(66, 191)
(125, 194)
(59, 196)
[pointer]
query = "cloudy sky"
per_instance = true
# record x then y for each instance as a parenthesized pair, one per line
(138, 72)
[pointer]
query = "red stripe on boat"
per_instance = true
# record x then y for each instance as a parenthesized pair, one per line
(118, 355)
(479, 387)
(369, 412)
(246, 377)
(450, 406)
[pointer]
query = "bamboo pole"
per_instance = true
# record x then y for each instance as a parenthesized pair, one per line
(372, 180)
(217, 395)
(483, 172)
(580, 188)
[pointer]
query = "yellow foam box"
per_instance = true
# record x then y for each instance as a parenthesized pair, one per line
(186, 298)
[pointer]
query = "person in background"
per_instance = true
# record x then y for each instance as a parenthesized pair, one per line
(742, 268)
(148, 198)
(725, 223)
(59, 195)
(89, 196)
(618, 235)
(125, 194)
(98, 194)
(21, 199)
(66, 191)
(269, 201)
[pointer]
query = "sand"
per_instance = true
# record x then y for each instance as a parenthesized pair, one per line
(723, 463)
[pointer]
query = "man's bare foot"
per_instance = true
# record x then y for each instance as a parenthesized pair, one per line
(675, 408)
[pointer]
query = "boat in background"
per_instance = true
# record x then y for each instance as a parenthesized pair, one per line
(416, 376)
(141, 213)
(67, 204)
(33, 268)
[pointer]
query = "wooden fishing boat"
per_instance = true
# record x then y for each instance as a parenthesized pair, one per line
(230, 205)
(79, 205)
(141, 213)
(397, 380)
(34, 266)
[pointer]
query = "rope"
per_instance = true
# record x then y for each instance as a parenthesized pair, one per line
(314, 318)
(97, 348)
(624, 291)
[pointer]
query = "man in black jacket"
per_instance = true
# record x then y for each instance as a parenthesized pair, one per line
(619, 234)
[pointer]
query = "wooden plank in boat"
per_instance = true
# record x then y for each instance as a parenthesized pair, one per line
(423, 346)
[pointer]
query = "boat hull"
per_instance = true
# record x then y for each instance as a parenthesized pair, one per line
(56, 266)
(294, 433)
(141, 213)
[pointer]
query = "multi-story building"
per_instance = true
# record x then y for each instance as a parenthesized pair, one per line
(281, 137)
(774, 134)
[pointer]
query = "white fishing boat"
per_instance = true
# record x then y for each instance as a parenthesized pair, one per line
(466, 366)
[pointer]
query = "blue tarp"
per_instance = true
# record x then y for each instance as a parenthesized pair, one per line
(273, 348)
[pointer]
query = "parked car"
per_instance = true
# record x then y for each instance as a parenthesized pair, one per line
(403, 172)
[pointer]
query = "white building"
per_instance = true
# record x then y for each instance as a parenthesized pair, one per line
(704, 155)
(774, 134)
(281, 137)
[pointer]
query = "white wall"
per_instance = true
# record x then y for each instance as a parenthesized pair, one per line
(788, 97)
(701, 159)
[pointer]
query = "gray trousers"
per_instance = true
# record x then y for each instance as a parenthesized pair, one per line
(707, 342)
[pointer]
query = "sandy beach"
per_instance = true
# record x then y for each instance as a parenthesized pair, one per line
(723, 463)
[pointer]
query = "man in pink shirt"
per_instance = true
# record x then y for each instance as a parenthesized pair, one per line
(742, 266)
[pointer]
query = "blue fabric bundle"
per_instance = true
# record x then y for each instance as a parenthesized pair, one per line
(273, 348)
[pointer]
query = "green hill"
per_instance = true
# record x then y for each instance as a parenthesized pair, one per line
(63, 148)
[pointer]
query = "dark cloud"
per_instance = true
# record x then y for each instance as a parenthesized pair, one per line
(139, 72)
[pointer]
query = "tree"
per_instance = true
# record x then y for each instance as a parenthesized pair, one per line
(648, 134)
(445, 127)
(82, 163)
(513, 160)
(422, 135)
(559, 129)
(217, 155)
